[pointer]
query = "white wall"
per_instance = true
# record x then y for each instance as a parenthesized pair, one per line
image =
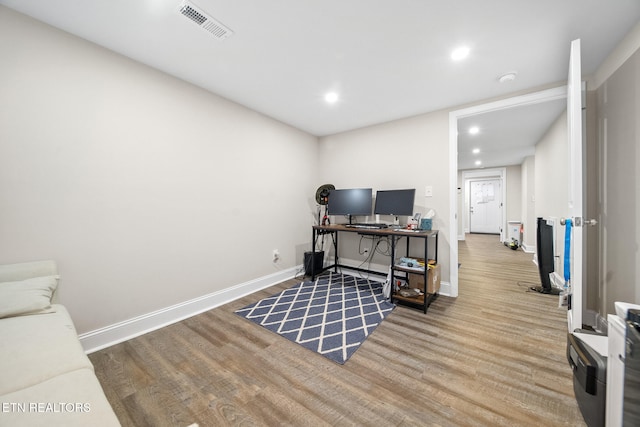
(407, 153)
(618, 139)
(146, 190)
(514, 193)
(551, 178)
(528, 203)
(551, 160)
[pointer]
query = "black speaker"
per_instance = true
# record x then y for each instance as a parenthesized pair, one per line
(315, 268)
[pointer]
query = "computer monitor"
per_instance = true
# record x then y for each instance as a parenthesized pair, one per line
(395, 202)
(350, 202)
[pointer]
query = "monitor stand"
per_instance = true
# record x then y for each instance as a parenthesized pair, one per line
(396, 223)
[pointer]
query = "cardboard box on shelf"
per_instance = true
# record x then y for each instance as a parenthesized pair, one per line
(433, 280)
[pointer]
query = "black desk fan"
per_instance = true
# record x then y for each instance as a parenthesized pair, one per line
(322, 198)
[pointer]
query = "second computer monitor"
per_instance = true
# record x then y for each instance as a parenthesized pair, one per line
(395, 202)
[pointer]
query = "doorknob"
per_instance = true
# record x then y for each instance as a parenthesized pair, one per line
(579, 222)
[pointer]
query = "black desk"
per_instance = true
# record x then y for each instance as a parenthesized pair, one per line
(395, 235)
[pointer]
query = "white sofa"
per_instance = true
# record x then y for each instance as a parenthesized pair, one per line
(45, 377)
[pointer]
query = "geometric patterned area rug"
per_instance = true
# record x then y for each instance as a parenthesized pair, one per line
(332, 315)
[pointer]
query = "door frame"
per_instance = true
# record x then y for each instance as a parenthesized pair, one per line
(576, 144)
(516, 101)
(478, 175)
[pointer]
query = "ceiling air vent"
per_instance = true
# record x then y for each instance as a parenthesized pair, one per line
(205, 21)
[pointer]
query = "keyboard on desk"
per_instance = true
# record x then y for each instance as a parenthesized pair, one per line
(367, 225)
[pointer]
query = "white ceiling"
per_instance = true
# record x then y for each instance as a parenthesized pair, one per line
(507, 136)
(386, 59)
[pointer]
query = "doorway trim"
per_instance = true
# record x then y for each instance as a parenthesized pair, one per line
(516, 101)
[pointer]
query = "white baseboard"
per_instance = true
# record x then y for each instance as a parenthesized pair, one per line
(445, 289)
(530, 249)
(123, 331)
(347, 262)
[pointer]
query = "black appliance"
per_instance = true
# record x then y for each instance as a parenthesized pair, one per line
(589, 379)
(313, 263)
(546, 256)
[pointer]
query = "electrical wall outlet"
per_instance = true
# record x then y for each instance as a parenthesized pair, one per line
(428, 191)
(276, 255)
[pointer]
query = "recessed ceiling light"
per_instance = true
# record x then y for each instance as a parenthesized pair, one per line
(331, 97)
(476, 151)
(508, 77)
(474, 130)
(460, 53)
(478, 162)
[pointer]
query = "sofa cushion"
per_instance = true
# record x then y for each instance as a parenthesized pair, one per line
(71, 399)
(38, 347)
(28, 296)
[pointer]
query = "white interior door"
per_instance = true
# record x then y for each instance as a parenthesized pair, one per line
(485, 206)
(576, 175)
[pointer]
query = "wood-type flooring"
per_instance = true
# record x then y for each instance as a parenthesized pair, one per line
(494, 356)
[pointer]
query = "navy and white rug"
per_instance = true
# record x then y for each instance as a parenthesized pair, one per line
(331, 316)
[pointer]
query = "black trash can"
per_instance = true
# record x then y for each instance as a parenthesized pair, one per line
(589, 380)
(313, 268)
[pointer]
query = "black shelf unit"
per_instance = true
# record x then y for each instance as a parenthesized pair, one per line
(423, 301)
(395, 236)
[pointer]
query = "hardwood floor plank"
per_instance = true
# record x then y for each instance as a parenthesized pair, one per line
(494, 356)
